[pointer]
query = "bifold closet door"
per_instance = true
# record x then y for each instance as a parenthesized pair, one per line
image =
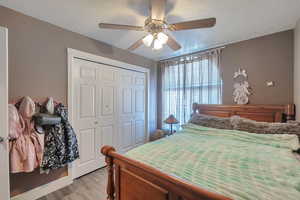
(95, 112)
(131, 104)
(4, 148)
(109, 107)
(86, 123)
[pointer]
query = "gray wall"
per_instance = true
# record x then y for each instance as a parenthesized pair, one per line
(267, 58)
(297, 71)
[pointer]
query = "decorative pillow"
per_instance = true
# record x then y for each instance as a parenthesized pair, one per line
(252, 126)
(211, 121)
(293, 122)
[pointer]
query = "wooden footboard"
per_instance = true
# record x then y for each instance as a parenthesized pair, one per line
(132, 180)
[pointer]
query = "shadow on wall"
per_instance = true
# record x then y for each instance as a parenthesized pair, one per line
(297, 70)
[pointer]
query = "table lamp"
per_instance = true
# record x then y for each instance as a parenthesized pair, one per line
(171, 120)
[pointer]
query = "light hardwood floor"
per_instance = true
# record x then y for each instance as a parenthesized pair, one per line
(88, 187)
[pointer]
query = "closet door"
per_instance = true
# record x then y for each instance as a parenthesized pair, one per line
(139, 87)
(86, 123)
(131, 109)
(4, 149)
(109, 109)
(107, 113)
(126, 110)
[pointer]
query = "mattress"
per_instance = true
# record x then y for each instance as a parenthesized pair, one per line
(236, 164)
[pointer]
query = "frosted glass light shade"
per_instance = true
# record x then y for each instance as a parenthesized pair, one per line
(148, 40)
(163, 38)
(157, 44)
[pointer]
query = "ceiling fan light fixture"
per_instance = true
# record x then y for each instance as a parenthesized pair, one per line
(148, 40)
(157, 44)
(163, 38)
(157, 28)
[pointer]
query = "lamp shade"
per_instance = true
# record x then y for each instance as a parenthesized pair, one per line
(171, 120)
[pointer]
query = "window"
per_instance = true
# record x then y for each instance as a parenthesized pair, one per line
(190, 81)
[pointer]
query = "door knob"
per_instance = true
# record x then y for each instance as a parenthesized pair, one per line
(1, 139)
(96, 123)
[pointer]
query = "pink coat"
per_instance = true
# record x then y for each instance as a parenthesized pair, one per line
(16, 122)
(26, 152)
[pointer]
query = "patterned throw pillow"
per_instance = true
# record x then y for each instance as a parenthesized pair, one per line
(252, 126)
(211, 121)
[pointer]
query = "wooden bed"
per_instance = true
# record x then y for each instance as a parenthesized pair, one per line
(132, 180)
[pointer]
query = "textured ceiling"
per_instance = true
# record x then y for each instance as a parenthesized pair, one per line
(236, 20)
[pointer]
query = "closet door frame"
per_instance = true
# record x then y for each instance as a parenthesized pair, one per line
(72, 54)
(4, 147)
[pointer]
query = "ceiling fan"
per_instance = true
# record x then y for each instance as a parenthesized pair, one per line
(157, 27)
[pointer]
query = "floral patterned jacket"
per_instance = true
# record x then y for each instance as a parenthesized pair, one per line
(61, 146)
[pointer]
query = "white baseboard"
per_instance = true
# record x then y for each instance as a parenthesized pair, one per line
(44, 189)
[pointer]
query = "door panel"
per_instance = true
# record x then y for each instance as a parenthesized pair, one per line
(139, 131)
(139, 100)
(86, 123)
(108, 84)
(126, 77)
(107, 74)
(126, 136)
(87, 139)
(108, 133)
(108, 95)
(4, 147)
(88, 73)
(87, 101)
(140, 81)
(127, 100)
(132, 100)
(140, 96)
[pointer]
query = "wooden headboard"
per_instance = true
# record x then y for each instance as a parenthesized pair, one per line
(262, 113)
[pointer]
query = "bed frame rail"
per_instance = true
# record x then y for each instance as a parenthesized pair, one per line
(132, 180)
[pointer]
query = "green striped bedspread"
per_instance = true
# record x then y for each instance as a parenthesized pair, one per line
(237, 164)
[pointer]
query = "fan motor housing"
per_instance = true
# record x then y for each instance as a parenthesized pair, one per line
(154, 26)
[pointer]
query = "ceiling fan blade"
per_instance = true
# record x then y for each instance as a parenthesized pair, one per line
(173, 44)
(121, 27)
(202, 23)
(157, 9)
(136, 44)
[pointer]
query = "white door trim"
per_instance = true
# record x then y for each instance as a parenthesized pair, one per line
(4, 146)
(73, 53)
